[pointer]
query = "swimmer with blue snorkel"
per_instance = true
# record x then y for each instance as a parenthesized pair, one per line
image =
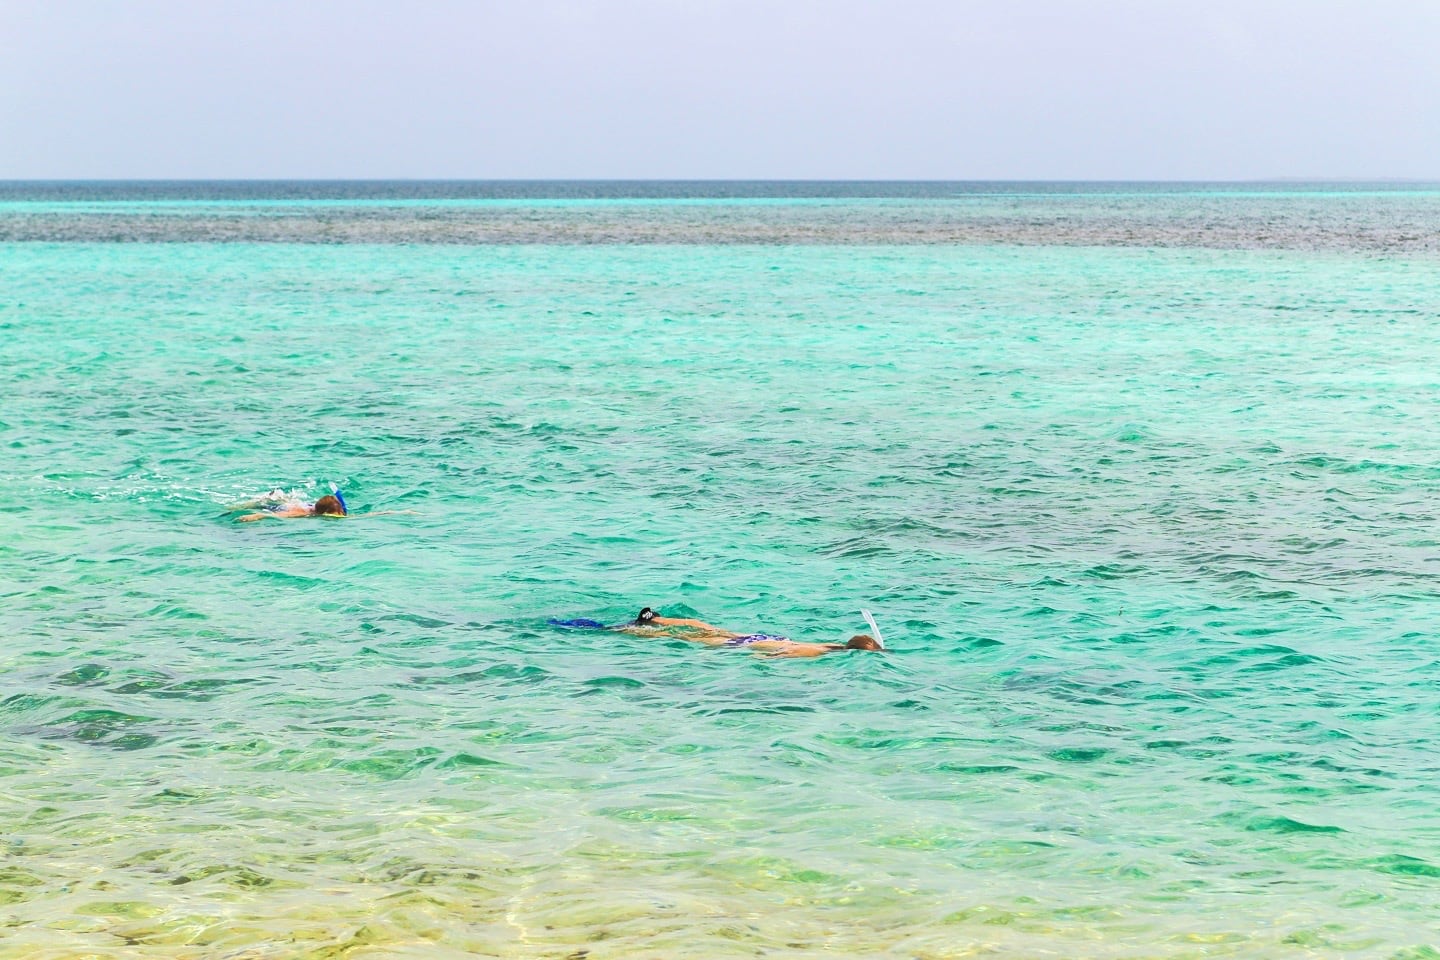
(280, 507)
(651, 624)
(324, 507)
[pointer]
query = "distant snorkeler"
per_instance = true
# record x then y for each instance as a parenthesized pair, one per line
(279, 505)
(327, 506)
(651, 624)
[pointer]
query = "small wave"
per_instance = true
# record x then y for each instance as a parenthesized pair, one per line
(1405, 866)
(103, 728)
(1287, 825)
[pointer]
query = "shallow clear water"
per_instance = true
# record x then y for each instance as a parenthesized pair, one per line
(1151, 534)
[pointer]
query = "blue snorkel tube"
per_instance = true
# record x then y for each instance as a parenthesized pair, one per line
(341, 498)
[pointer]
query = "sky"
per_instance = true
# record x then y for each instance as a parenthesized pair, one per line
(720, 89)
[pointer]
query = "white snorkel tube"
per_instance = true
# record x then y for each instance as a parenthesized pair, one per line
(874, 629)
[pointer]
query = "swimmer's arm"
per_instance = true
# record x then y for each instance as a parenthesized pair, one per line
(681, 622)
(708, 635)
(712, 638)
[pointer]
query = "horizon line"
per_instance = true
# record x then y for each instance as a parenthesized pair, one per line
(412, 179)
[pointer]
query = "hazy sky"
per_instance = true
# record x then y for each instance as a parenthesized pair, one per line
(924, 89)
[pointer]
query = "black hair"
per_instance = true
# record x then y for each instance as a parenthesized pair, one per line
(645, 617)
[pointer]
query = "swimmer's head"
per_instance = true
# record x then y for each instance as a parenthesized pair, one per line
(328, 506)
(647, 617)
(863, 641)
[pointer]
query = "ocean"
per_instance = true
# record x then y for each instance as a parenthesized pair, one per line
(1140, 481)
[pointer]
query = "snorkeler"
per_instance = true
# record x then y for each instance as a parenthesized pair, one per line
(651, 624)
(281, 506)
(328, 506)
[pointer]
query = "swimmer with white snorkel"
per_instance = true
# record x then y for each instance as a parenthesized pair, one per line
(651, 624)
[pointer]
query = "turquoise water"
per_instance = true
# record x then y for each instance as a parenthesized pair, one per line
(1151, 534)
